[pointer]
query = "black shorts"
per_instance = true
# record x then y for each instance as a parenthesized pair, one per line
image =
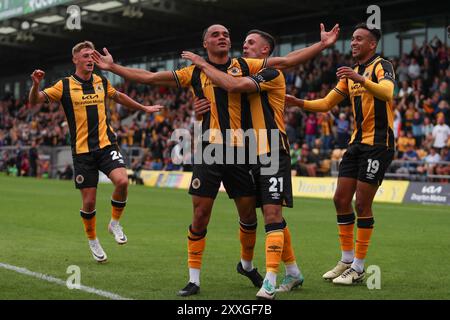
(366, 163)
(87, 165)
(236, 178)
(275, 187)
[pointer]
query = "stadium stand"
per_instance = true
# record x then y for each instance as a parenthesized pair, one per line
(420, 100)
(317, 141)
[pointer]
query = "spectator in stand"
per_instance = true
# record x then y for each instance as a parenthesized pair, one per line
(402, 72)
(409, 116)
(343, 127)
(444, 169)
(405, 90)
(309, 162)
(326, 132)
(444, 110)
(431, 161)
(414, 69)
(295, 152)
(403, 141)
(34, 158)
(441, 133)
(427, 127)
(409, 155)
(292, 120)
(25, 165)
(397, 119)
(417, 127)
(19, 157)
(310, 129)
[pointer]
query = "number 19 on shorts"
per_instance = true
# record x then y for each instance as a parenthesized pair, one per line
(373, 166)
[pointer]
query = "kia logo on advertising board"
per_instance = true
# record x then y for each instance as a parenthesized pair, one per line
(432, 193)
(432, 189)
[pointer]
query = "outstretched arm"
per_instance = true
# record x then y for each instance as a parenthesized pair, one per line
(219, 78)
(320, 105)
(126, 101)
(300, 56)
(106, 62)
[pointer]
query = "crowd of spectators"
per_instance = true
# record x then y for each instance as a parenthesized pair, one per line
(421, 118)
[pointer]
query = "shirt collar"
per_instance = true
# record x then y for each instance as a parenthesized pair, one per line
(220, 66)
(83, 81)
(370, 61)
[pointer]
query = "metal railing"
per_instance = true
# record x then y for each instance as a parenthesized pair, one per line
(60, 157)
(407, 170)
(57, 157)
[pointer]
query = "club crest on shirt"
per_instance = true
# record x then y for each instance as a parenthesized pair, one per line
(99, 87)
(235, 71)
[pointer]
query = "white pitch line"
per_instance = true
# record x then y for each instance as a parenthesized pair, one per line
(51, 279)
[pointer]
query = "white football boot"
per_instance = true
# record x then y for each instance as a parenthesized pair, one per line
(267, 291)
(97, 251)
(349, 277)
(117, 232)
(336, 271)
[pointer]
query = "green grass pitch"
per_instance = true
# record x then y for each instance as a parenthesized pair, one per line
(41, 230)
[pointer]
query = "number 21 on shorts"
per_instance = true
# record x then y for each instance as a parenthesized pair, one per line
(274, 182)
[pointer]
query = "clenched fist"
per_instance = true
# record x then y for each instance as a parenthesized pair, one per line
(37, 76)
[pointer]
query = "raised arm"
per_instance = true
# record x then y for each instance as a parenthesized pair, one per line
(126, 101)
(106, 62)
(35, 96)
(219, 78)
(300, 56)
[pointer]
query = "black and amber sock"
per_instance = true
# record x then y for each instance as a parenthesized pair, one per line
(89, 221)
(346, 226)
(117, 209)
(364, 232)
(288, 255)
(247, 237)
(196, 246)
(274, 245)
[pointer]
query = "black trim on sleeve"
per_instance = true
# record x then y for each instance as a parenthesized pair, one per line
(258, 88)
(341, 93)
(176, 79)
(47, 98)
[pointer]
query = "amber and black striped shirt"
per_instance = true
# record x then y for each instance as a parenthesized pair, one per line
(87, 114)
(228, 110)
(267, 110)
(371, 102)
(373, 117)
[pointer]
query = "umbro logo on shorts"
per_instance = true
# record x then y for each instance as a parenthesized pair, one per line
(275, 196)
(370, 176)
